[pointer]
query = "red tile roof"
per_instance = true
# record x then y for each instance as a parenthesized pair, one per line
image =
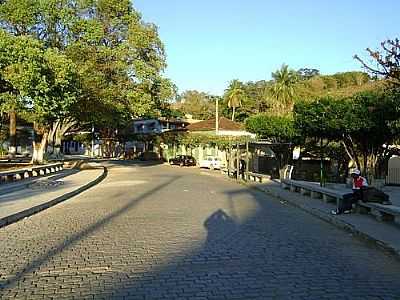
(209, 125)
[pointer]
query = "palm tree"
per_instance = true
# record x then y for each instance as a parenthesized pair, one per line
(284, 87)
(235, 94)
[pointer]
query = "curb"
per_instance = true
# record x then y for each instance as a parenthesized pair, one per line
(34, 210)
(331, 220)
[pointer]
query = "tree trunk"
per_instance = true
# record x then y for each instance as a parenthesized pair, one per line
(59, 129)
(233, 113)
(52, 134)
(57, 143)
(39, 148)
(13, 134)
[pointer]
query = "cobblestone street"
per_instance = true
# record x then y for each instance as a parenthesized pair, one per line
(161, 232)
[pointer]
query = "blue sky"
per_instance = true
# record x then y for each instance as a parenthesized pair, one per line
(209, 43)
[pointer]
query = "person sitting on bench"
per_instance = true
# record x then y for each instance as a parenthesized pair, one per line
(360, 184)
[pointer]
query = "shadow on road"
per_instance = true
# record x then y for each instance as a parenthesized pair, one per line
(275, 253)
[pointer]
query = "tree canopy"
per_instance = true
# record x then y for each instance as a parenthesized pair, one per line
(365, 123)
(86, 62)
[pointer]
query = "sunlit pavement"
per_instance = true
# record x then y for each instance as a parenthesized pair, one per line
(160, 232)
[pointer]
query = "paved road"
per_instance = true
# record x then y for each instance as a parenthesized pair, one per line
(159, 232)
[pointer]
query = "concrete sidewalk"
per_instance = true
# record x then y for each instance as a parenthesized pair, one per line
(383, 234)
(45, 192)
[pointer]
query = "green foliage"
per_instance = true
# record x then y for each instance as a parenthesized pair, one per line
(200, 105)
(235, 96)
(192, 140)
(95, 61)
(42, 81)
(284, 88)
(320, 118)
(364, 123)
(277, 129)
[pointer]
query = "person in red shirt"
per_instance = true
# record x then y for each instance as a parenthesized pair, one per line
(358, 180)
(359, 185)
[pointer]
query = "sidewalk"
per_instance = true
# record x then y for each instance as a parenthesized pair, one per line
(27, 199)
(383, 234)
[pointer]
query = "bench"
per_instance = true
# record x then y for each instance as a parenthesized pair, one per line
(379, 211)
(257, 177)
(313, 190)
(9, 176)
(46, 169)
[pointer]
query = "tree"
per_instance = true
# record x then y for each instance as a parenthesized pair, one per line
(198, 104)
(43, 82)
(387, 61)
(307, 73)
(279, 130)
(118, 57)
(235, 95)
(284, 88)
(368, 123)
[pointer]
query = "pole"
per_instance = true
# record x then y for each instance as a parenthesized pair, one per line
(247, 159)
(237, 160)
(321, 179)
(230, 158)
(216, 116)
(92, 154)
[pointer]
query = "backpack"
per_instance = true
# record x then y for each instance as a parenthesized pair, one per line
(372, 194)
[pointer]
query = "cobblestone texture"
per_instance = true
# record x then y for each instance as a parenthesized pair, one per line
(169, 233)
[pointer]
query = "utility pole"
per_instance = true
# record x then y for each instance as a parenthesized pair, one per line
(216, 116)
(92, 154)
(237, 160)
(247, 159)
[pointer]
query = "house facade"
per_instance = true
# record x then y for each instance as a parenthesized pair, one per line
(226, 128)
(157, 126)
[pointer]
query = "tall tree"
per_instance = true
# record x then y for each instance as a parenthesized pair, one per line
(235, 95)
(119, 58)
(284, 88)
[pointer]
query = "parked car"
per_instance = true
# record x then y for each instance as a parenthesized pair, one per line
(183, 160)
(211, 163)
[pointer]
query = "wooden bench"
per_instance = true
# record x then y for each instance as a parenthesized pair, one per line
(257, 177)
(314, 191)
(379, 211)
(9, 176)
